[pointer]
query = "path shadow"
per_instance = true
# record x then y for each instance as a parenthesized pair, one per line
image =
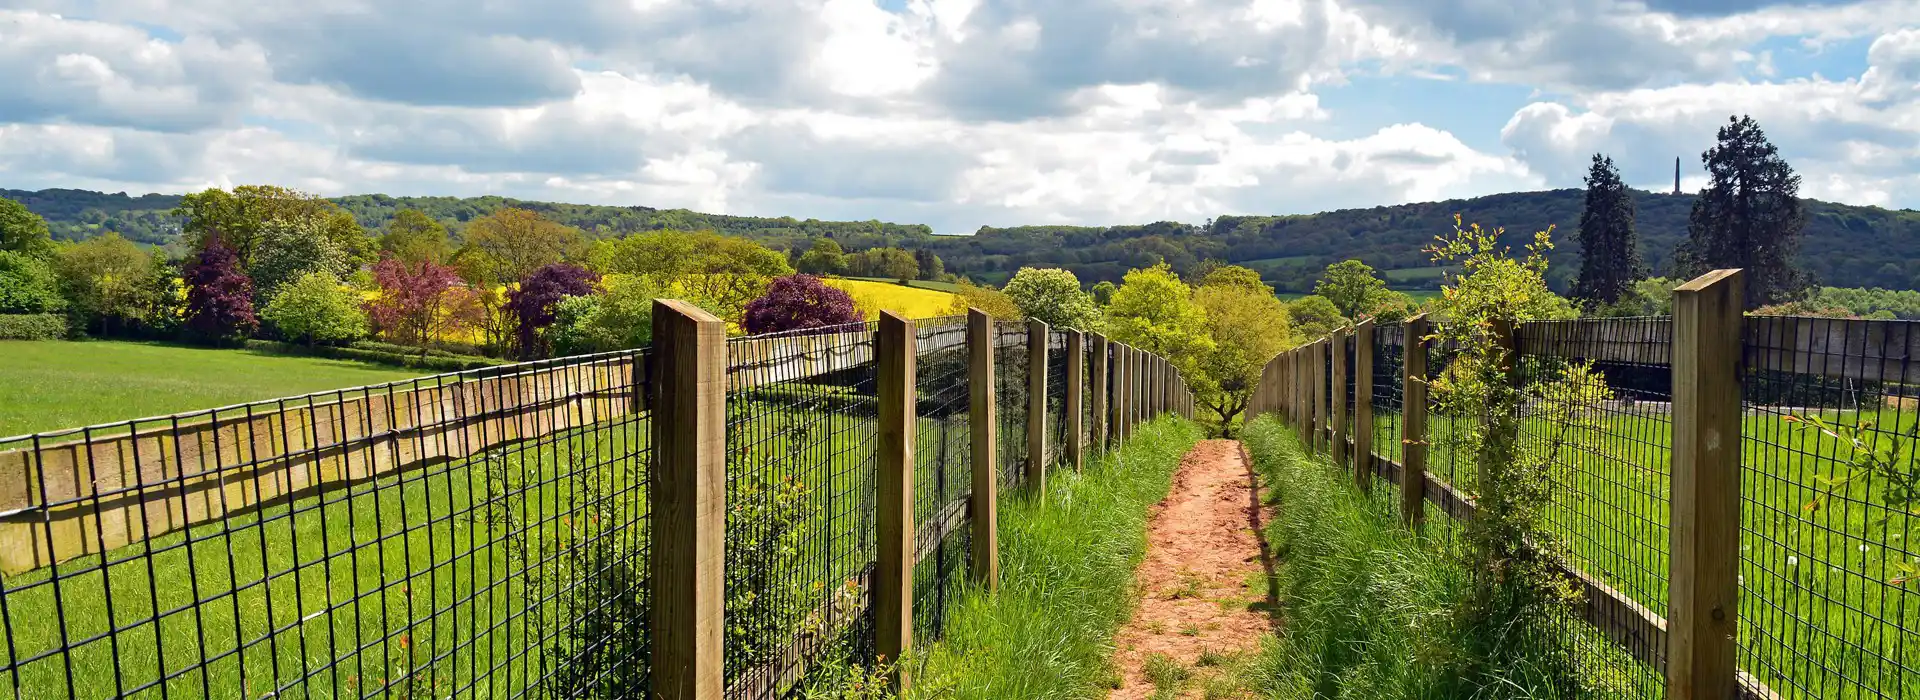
(1270, 606)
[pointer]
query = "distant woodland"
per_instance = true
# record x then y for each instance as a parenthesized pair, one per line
(1845, 245)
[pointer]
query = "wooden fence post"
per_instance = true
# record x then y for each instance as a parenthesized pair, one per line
(1302, 397)
(984, 565)
(1413, 424)
(1363, 405)
(688, 501)
(1117, 397)
(894, 352)
(1101, 371)
(1337, 395)
(1076, 379)
(1037, 404)
(1703, 573)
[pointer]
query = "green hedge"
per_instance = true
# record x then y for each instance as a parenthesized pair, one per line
(33, 327)
(432, 362)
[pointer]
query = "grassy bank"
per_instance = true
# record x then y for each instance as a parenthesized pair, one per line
(1066, 571)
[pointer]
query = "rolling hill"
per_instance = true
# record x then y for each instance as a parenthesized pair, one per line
(1845, 245)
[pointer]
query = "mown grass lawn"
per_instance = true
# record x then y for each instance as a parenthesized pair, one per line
(50, 385)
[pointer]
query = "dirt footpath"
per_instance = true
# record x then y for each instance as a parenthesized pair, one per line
(1203, 587)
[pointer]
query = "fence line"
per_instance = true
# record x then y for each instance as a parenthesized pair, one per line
(705, 518)
(1777, 565)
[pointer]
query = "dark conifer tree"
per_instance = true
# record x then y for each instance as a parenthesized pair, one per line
(1749, 216)
(1609, 247)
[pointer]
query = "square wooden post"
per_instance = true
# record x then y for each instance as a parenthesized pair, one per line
(1101, 370)
(1302, 396)
(688, 500)
(1703, 573)
(1363, 405)
(894, 352)
(1413, 424)
(984, 564)
(1076, 379)
(1321, 426)
(1337, 396)
(1037, 404)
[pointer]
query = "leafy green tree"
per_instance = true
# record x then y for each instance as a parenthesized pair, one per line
(289, 249)
(1352, 287)
(316, 308)
(106, 279)
(1248, 326)
(725, 272)
(890, 263)
(414, 237)
(1154, 311)
(824, 257)
(23, 231)
(1103, 293)
(28, 285)
(931, 267)
(1313, 317)
(1609, 247)
(1750, 216)
(239, 218)
(1053, 295)
(1235, 276)
(514, 242)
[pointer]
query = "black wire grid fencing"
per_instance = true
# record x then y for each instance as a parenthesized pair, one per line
(1010, 399)
(478, 534)
(1828, 482)
(802, 479)
(1829, 491)
(943, 472)
(488, 533)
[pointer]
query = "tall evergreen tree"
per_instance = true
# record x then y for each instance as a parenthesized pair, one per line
(1749, 216)
(1609, 246)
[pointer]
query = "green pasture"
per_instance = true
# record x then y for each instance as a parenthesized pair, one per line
(1822, 612)
(50, 385)
(472, 579)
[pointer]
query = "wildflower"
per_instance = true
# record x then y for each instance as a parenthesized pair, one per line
(1793, 560)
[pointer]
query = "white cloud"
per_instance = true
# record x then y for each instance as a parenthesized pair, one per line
(955, 113)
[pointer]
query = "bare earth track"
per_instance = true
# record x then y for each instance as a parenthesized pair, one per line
(1203, 585)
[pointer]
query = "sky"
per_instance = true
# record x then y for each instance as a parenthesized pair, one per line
(952, 113)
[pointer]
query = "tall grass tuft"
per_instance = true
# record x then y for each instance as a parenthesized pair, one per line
(1066, 572)
(1370, 609)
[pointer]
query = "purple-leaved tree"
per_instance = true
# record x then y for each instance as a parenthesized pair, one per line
(533, 303)
(219, 295)
(798, 302)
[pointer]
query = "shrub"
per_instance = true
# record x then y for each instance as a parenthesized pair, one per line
(318, 309)
(219, 295)
(32, 326)
(532, 304)
(1053, 295)
(798, 302)
(28, 285)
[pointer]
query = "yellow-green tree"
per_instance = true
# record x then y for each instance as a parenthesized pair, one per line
(1352, 287)
(1248, 326)
(239, 219)
(1154, 311)
(512, 242)
(1313, 317)
(415, 237)
(725, 272)
(106, 278)
(967, 295)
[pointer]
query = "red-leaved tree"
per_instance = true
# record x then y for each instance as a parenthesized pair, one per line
(798, 302)
(219, 295)
(421, 301)
(532, 304)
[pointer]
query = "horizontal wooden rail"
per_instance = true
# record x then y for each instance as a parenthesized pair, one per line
(1631, 626)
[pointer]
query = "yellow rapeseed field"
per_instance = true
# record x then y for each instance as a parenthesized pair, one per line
(912, 302)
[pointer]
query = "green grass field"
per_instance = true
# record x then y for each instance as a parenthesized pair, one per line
(50, 385)
(1822, 613)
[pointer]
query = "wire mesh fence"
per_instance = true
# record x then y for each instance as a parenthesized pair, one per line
(480, 534)
(1010, 399)
(1828, 483)
(490, 534)
(1829, 492)
(943, 471)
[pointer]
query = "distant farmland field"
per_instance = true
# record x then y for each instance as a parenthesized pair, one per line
(912, 302)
